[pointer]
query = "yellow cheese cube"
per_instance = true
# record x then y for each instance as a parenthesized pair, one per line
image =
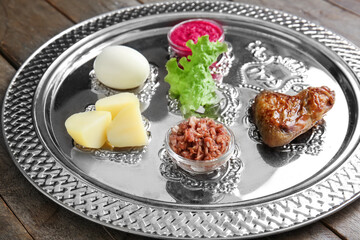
(116, 102)
(127, 128)
(89, 128)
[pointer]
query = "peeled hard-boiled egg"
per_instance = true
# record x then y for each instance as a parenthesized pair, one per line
(121, 67)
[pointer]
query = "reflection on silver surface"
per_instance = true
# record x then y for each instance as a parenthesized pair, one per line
(184, 195)
(222, 180)
(270, 72)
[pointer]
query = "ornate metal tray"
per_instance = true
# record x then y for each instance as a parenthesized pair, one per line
(260, 191)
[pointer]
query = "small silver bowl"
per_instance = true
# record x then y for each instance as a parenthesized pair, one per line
(201, 166)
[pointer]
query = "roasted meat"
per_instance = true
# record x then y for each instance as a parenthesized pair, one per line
(280, 118)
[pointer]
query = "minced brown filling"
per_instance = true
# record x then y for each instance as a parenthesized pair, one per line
(199, 139)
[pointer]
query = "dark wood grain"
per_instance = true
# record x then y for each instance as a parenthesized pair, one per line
(346, 222)
(6, 74)
(80, 10)
(352, 6)
(26, 25)
(10, 226)
(316, 231)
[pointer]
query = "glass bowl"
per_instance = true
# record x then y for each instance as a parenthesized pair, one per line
(184, 51)
(201, 166)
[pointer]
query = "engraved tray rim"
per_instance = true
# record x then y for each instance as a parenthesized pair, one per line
(115, 211)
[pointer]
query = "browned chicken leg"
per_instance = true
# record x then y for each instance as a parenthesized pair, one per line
(280, 118)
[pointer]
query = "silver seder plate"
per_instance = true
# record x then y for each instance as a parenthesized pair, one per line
(260, 191)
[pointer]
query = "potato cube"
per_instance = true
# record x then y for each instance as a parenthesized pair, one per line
(127, 128)
(89, 128)
(116, 102)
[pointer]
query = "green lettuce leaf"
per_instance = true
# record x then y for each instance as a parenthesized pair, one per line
(192, 83)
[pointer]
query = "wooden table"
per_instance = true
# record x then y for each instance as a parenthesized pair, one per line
(25, 25)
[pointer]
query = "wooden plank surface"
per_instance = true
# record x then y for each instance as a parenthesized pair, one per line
(30, 215)
(352, 6)
(26, 25)
(81, 10)
(346, 222)
(316, 231)
(11, 227)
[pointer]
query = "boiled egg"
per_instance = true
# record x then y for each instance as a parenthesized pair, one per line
(121, 67)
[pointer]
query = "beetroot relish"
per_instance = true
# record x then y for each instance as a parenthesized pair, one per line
(193, 29)
(199, 139)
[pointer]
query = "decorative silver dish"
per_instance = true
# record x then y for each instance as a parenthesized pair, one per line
(260, 191)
